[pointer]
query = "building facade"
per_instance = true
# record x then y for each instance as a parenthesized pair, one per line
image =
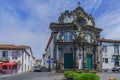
(75, 43)
(15, 59)
(109, 52)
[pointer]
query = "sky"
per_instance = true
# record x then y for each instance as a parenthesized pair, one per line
(26, 22)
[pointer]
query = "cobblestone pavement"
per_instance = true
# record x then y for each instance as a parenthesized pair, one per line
(36, 76)
(105, 76)
(54, 76)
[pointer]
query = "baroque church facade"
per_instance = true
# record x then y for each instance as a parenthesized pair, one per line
(75, 42)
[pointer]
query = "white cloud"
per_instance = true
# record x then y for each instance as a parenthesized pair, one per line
(110, 22)
(91, 6)
(33, 30)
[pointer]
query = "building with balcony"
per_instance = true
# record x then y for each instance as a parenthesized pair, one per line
(75, 43)
(109, 53)
(15, 59)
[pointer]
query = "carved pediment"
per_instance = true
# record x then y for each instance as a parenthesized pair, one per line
(75, 15)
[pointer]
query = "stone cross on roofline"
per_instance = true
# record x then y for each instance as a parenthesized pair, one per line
(79, 4)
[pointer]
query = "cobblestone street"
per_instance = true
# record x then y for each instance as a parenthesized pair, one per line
(36, 76)
(105, 76)
(54, 76)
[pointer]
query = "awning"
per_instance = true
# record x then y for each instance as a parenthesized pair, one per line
(9, 64)
(1, 65)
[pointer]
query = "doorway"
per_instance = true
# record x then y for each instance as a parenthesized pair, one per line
(89, 61)
(68, 61)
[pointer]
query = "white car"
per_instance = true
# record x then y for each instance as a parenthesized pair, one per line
(116, 68)
(37, 69)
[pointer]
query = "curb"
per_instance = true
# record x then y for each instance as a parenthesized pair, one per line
(9, 75)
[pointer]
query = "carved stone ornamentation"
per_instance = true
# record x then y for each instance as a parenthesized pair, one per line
(75, 15)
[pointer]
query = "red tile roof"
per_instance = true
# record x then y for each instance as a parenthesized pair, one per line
(7, 46)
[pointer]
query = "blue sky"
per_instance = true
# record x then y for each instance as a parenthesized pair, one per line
(26, 22)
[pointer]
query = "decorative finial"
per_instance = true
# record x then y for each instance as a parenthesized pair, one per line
(79, 4)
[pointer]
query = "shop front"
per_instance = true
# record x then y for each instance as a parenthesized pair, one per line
(8, 67)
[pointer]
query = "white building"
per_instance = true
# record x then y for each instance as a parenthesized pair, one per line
(16, 59)
(109, 53)
(48, 55)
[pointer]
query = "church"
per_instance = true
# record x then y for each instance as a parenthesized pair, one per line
(75, 43)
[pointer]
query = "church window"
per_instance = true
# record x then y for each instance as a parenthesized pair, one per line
(89, 38)
(68, 37)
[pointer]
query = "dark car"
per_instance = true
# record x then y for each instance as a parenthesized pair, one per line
(37, 69)
(44, 69)
(116, 68)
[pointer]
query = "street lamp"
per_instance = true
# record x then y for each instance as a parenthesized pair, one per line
(49, 62)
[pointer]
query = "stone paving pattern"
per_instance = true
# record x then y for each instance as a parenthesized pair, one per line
(52, 76)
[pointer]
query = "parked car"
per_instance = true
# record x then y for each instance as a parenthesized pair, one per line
(44, 69)
(37, 69)
(105, 70)
(116, 68)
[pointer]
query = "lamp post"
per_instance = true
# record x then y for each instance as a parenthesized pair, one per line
(56, 62)
(49, 62)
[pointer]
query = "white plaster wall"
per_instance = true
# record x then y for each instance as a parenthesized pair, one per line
(30, 59)
(49, 51)
(27, 61)
(19, 58)
(9, 54)
(108, 54)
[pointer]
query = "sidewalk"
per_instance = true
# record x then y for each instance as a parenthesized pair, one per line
(7, 75)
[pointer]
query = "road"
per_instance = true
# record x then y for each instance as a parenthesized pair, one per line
(36, 76)
(105, 76)
(55, 76)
